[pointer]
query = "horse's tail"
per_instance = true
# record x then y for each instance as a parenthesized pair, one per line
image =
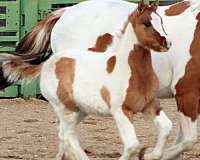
(15, 68)
(25, 61)
(36, 42)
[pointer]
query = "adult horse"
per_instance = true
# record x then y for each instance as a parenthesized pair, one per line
(78, 82)
(178, 71)
(91, 25)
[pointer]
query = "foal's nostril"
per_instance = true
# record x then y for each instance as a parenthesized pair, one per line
(169, 44)
(165, 43)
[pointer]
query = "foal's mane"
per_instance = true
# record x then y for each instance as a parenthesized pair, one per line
(195, 5)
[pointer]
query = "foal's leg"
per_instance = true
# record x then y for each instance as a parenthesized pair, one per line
(163, 125)
(127, 133)
(69, 148)
(188, 112)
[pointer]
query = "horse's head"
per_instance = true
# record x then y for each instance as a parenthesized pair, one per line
(148, 27)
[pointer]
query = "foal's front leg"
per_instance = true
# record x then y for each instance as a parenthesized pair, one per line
(163, 125)
(127, 134)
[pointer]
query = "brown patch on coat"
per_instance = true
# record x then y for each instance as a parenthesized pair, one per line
(65, 69)
(128, 112)
(143, 83)
(153, 108)
(105, 94)
(188, 87)
(102, 43)
(199, 107)
(177, 9)
(111, 64)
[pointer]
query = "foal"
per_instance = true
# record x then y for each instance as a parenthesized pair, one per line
(119, 83)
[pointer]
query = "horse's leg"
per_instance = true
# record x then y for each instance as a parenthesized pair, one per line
(71, 141)
(69, 147)
(127, 134)
(188, 104)
(61, 150)
(179, 138)
(163, 125)
(179, 135)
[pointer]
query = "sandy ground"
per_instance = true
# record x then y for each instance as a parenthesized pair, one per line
(28, 131)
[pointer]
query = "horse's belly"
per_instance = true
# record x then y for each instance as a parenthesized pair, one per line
(165, 93)
(164, 73)
(87, 94)
(91, 103)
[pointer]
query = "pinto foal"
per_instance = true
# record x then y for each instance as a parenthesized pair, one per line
(120, 83)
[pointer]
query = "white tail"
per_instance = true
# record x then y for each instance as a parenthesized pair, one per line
(14, 68)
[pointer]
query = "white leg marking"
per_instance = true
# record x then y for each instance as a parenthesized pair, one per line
(189, 138)
(61, 151)
(127, 133)
(179, 136)
(69, 142)
(164, 126)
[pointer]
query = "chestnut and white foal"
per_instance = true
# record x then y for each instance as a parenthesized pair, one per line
(119, 83)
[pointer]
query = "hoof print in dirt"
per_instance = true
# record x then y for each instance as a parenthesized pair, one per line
(31, 120)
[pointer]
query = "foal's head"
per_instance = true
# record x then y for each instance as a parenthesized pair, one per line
(148, 27)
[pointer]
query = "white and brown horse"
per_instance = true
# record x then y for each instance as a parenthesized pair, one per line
(120, 82)
(92, 24)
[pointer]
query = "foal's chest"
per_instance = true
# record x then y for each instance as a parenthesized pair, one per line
(140, 93)
(143, 83)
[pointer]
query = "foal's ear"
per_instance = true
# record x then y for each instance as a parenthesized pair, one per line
(141, 6)
(154, 5)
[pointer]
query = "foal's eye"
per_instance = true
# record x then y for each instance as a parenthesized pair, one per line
(147, 24)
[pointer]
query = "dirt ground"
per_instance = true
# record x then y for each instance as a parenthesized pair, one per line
(28, 131)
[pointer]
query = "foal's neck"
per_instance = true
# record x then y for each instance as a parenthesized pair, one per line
(140, 60)
(129, 50)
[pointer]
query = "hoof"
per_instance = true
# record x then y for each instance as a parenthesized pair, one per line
(148, 154)
(63, 157)
(141, 153)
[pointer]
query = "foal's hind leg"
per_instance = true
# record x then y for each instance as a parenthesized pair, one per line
(69, 148)
(127, 134)
(163, 125)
